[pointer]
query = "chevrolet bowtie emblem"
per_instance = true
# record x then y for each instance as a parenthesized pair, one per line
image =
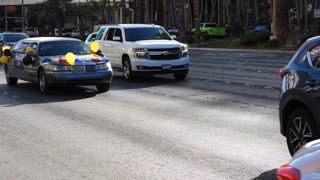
(166, 53)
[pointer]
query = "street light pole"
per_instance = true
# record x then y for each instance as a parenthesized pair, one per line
(22, 16)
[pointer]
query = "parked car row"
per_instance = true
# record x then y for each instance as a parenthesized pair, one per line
(135, 49)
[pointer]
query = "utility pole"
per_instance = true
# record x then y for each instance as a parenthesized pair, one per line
(22, 16)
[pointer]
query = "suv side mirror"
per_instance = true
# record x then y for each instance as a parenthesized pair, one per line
(116, 38)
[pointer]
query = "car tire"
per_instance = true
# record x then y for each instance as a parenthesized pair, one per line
(43, 83)
(103, 87)
(11, 81)
(300, 129)
(126, 69)
(180, 76)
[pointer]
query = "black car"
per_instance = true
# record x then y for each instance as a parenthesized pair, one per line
(46, 61)
(300, 96)
(9, 39)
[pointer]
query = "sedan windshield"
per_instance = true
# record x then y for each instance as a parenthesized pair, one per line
(139, 34)
(54, 48)
(14, 37)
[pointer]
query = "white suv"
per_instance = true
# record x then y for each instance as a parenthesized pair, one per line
(142, 48)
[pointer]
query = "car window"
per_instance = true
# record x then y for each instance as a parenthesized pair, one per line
(109, 34)
(1, 37)
(21, 47)
(100, 33)
(211, 25)
(315, 57)
(55, 48)
(118, 34)
(139, 34)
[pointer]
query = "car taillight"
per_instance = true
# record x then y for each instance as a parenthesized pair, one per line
(282, 72)
(287, 172)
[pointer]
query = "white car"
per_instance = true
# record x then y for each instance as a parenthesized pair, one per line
(143, 49)
(304, 165)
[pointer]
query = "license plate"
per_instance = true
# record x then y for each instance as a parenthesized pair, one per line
(166, 67)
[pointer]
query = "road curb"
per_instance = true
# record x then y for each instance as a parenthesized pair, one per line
(246, 50)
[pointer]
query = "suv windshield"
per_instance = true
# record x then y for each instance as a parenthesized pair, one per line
(54, 48)
(14, 37)
(139, 34)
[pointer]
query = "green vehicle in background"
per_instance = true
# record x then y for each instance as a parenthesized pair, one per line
(208, 30)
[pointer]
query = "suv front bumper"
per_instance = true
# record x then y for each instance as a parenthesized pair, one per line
(160, 66)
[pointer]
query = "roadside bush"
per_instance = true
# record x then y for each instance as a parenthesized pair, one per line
(186, 37)
(248, 39)
(251, 39)
(262, 36)
(274, 43)
(204, 36)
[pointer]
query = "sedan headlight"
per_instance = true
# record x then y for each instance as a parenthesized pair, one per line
(52, 67)
(184, 51)
(140, 52)
(103, 66)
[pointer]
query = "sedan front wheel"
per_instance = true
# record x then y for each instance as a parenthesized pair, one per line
(43, 84)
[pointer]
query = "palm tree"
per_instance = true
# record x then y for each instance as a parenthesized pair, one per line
(196, 10)
(280, 19)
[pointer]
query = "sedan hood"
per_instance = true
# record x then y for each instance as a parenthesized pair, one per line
(155, 44)
(79, 59)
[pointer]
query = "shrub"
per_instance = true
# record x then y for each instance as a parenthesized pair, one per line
(251, 39)
(248, 39)
(274, 43)
(186, 37)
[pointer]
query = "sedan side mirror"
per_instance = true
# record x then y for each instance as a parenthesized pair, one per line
(6, 52)
(31, 53)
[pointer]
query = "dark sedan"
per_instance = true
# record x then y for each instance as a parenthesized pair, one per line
(300, 96)
(50, 60)
(9, 39)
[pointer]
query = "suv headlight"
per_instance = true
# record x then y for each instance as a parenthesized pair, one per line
(140, 53)
(52, 67)
(103, 66)
(184, 51)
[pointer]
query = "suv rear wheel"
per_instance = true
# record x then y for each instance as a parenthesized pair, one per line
(300, 129)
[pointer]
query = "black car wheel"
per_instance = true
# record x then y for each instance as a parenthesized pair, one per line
(103, 87)
(180, 76)
(127, 70)
(300, 130)
(11, 81)
(43, 84)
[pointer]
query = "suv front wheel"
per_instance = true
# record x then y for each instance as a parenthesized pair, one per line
(300, 129)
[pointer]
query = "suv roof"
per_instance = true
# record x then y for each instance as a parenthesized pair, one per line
(132, 25)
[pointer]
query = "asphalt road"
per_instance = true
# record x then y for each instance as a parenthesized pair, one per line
(220, 123)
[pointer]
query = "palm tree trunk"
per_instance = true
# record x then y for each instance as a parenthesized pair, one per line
(280, 19)
(196, 9)
(124, 17)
